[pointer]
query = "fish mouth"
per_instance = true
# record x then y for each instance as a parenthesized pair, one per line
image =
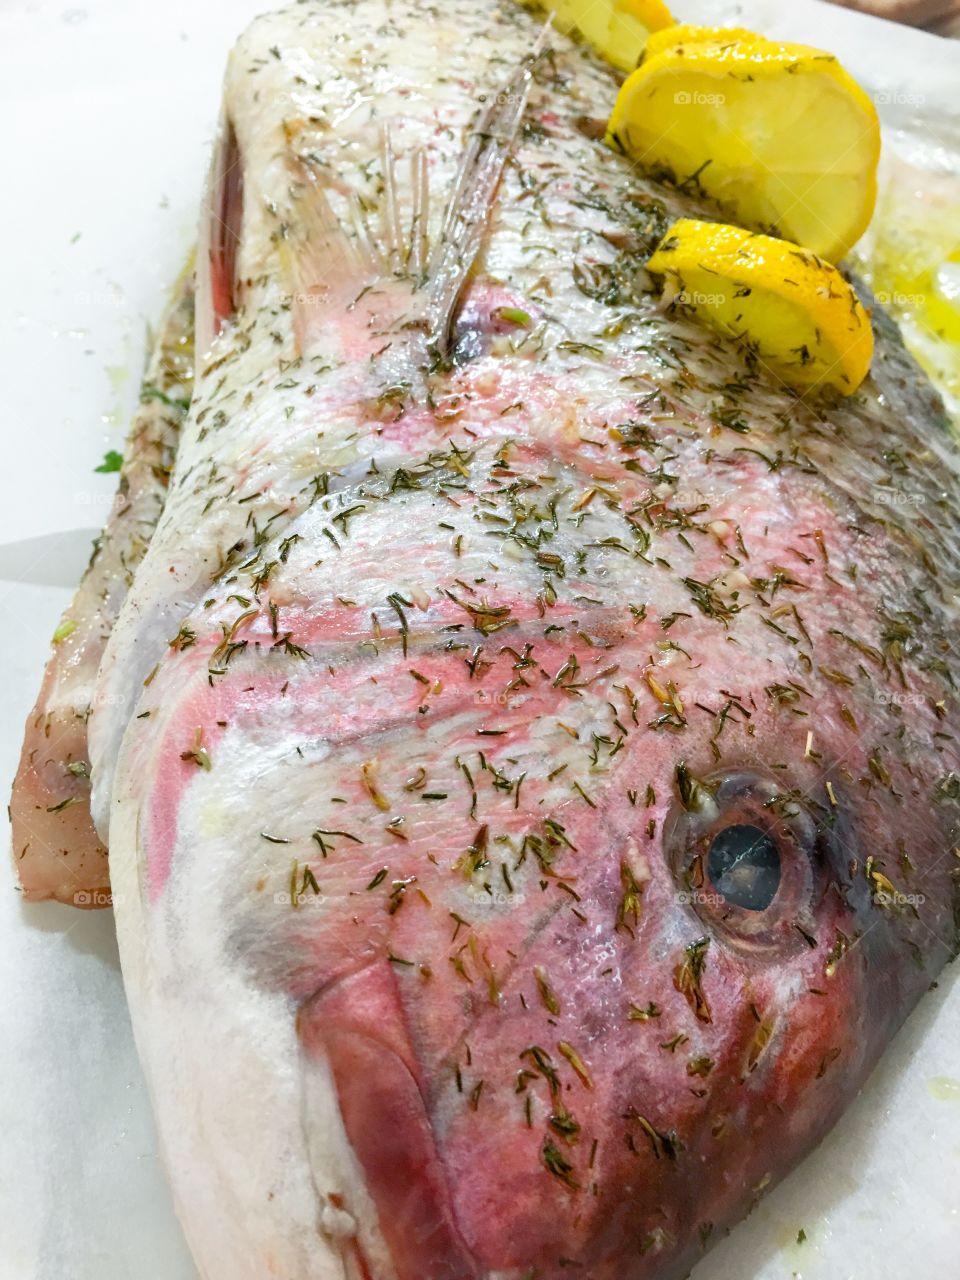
(356, 1027)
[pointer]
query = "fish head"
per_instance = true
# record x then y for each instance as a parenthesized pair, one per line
(597, 1026)
(586, 940)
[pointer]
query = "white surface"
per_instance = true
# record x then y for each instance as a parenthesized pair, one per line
(112, 107)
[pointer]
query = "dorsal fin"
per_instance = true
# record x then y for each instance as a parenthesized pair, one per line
(408, 287)
(474, 192)
(326, 268)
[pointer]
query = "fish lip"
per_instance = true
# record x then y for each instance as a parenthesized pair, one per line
(356, 1026)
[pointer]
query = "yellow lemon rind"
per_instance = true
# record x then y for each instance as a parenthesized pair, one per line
(796, 312)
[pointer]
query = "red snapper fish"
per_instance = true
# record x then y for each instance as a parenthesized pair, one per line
(527, 748)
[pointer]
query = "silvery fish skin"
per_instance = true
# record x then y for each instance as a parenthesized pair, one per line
(56, 851)
(527, 752)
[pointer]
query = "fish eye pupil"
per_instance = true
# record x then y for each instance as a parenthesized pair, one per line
(744, 865)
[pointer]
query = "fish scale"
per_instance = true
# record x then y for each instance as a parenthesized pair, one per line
(497, 589)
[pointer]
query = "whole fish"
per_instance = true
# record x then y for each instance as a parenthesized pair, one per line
(56, 850)
(527, 752)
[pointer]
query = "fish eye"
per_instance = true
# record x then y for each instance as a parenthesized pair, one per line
(747, 855)
(743, 864)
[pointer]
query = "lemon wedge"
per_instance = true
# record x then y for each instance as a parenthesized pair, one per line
(778, 135)
(617, 29)
(796, 314)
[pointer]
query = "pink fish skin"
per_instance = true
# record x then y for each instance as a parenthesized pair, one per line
(527, 752)
(57, 853)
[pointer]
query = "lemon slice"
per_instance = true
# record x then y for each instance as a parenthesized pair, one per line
(796, 313)
(617, 29)
(778, 135)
